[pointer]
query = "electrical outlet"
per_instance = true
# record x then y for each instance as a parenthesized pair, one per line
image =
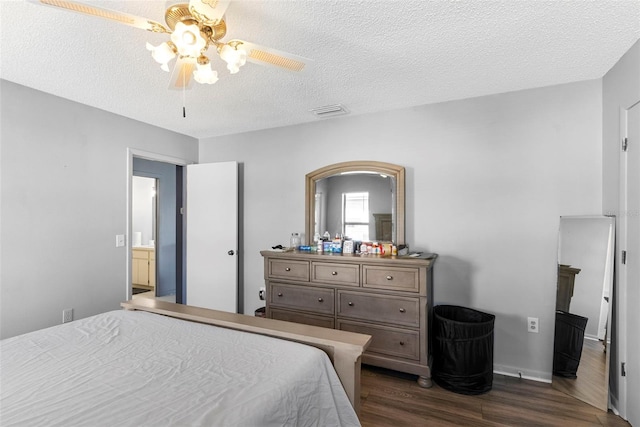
(261, 293)
(67, 315)
(533, 325)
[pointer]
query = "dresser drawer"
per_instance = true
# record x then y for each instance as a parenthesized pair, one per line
(402, 311)
(334, 273)
(307, 319)
(308, 298)
(389, 341)
(287, 269)
(393, 278)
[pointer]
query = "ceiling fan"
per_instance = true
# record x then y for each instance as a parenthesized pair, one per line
(194, 27)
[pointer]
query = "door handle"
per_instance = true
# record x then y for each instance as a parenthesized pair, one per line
(231, 252)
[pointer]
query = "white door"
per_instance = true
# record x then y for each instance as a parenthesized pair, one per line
(633, 265)
(212, 236)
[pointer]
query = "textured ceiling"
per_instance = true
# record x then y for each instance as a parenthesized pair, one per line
(368, 55)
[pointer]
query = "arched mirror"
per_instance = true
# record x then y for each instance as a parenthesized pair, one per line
(583, 309)
(363, 200)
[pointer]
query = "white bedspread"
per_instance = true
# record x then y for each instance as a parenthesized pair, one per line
(131, 368)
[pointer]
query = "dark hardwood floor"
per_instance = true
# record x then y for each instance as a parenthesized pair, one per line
(592, 383)
(391, 398)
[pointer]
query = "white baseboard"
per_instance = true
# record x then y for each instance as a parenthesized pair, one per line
(613, 405)
(526, 374)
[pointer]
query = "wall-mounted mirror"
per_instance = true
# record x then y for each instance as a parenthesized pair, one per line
(143, 211)
(363, 200)
(585, 280)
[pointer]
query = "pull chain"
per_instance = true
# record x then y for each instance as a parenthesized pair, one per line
(184, 91)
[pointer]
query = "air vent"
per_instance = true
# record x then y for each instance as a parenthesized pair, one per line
(330, 111)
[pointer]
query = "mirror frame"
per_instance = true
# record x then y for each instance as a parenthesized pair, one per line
(395, 171)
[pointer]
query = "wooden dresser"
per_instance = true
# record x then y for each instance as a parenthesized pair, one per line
(389, 298)
(566, 282)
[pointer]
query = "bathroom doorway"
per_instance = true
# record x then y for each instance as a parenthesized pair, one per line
(156, 242)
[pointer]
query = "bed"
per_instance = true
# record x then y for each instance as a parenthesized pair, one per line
(159, 364)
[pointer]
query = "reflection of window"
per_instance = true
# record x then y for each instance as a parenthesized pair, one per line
(355, 215)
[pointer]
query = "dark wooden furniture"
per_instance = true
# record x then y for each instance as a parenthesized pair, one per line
(566, 281)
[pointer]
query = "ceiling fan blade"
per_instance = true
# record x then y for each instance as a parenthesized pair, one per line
(266, 56)
(121, 17)
(181, 77)
(209, 12)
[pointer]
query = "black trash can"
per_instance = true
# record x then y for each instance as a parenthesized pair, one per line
(567, 343)
(462, 349)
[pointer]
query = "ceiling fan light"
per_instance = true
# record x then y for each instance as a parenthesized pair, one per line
(163, 53)
(188, 40)
(204, 74)
(234, 57)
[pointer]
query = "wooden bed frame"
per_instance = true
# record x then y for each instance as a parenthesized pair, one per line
(343, 348)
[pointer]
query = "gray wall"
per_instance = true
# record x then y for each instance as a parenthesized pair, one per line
(487, 180)
(64, 182)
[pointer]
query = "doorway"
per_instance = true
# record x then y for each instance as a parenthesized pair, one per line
(162, 259)
(214, 204)
(157, 255)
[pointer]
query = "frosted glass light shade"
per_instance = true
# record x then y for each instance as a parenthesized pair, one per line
(204, 74)
(235, 58)
(188, 40)
(163, 53)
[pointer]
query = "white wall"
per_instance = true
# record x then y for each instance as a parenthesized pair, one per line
(487, 180)
(64, 181)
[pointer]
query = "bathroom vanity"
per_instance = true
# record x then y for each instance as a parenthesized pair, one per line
(143, 267)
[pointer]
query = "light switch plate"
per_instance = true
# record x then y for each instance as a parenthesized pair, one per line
(119, 240)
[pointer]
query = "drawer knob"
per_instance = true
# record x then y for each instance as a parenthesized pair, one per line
(279, 294)
(389, 277)
(350, 304)
(401, 342)
(334, 273)
(402, 310)
(287, 269)
(320, 300)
